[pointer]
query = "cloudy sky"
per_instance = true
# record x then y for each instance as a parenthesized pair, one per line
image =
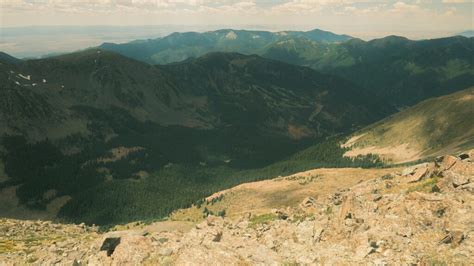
(360, 18)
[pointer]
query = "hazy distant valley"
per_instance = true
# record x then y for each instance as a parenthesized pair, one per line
(45, 41)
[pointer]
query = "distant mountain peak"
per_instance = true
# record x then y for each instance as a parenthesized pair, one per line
(391, 38)
(325, 32)
(389, 41)
(178, 46)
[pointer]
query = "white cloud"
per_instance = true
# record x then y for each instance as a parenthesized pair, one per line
(361, 11)
(402, 7)
(306, 6)
(450, 11)
(92, 5)
(343, 16)
(457, 1)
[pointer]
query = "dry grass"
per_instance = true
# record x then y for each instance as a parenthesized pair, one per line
(263, 196)
(433, 127)
(400, 154)
(424, 186)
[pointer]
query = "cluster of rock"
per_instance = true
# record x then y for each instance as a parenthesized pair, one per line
(37, 242)
(421, 215)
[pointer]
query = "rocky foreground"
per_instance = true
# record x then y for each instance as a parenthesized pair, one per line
(423, 214)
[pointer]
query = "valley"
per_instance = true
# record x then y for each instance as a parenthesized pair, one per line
(230, 115)
(197, 126)
(240, 147)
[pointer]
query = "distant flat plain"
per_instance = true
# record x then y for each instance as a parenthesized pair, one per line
(40, 41)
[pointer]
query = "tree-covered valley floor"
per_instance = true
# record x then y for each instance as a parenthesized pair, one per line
(131, 183)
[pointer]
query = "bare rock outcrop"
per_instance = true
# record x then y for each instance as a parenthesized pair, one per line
(421, 215)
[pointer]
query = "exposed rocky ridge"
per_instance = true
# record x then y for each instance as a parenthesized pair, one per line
(422, 214)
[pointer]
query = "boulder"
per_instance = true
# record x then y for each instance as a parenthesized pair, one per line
(318, 234)
(471, 153)
(404, 231)
(214, 221)
(133, 249)
(308, 202)
(454, 238)
(305, 232)
(448, 162)
(217, 236)
(459, 180)
(109, 244)
(165, 252)
(408, 171)
(376, 197)
(280, 214)
(468, 187)
(463, 168)
(418, 175)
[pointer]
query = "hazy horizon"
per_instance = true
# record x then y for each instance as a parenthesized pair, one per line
(38, 41)
(334, 15)
(31, 28)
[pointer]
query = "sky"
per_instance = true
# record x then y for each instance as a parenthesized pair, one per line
(360, 18)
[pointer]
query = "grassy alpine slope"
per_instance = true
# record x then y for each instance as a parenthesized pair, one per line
(433, 127)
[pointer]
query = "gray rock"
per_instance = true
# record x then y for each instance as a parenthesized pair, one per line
(165, 252)
(459, 180)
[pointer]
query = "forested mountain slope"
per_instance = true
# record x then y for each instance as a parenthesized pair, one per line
(180, 46)
(399, 70)
(403, 72)
(128, 140)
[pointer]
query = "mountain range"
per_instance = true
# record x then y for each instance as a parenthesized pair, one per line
(125, 138)
(400, 71)
(217, 90)
(95, 115)
(180, 46)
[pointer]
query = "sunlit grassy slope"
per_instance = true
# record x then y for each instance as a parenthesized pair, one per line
(435, 126)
